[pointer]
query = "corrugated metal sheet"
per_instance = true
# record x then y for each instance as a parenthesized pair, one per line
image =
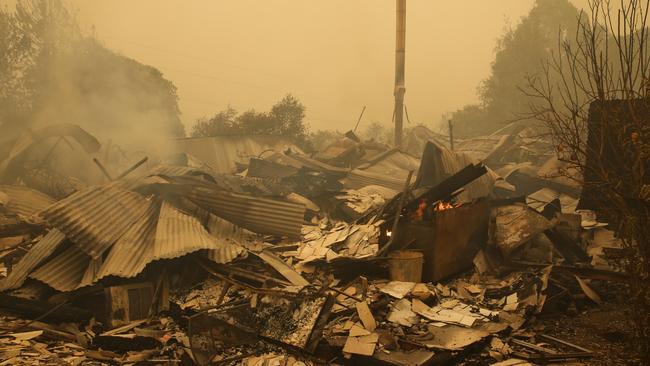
(164, 232)
(443, 163)
(261, 215)
(230, 233)
(479, 147)
(178, 234)
(221, 153)
(394, 164)
(482, 186)
(134, 181)
(132, 252)
(33, 290)
(298, 160)
(90, 275)
(358, 178)
(97, 216)
(37, 254)
(65, 271)
(24, 200)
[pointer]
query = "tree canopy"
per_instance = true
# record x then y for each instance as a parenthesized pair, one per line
(520, 53)
(50, 72)
(286, 118)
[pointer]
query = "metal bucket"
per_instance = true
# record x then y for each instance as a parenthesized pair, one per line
(405, 265)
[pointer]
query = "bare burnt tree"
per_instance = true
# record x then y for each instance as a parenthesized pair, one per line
(593, 98)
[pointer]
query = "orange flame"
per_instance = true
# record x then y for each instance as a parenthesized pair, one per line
(441, 206)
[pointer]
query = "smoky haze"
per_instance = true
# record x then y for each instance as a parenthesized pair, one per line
(335, 56)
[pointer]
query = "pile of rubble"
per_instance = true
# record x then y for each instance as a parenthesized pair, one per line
(294, 259)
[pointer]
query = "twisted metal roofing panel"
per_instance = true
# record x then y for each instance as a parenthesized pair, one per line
(178, 233)
(132, 252)
(65, 271)
(37, 254)
(24, 200)
(96, 217)
(261, 215)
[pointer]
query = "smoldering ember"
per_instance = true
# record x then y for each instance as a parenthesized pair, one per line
(514, 231)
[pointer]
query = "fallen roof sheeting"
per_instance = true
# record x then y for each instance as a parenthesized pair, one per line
(221, 153)
(392, 163)
(96, 217)
(261, 215)
(163, 232)
(358, 178)
(439, 163)
(132, 252)
(37, 254)
(178, 233)
(224, 230)
(25, 201)
(65, 271)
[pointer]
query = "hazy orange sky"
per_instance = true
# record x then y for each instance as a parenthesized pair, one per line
(334, 55)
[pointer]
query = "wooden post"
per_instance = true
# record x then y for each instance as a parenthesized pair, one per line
(451, 135)
(400, 46)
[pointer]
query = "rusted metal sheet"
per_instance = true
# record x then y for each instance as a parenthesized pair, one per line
(261, 215)
(25, 201)
(37, 254)
(515, 225)
(96, 217)
(450, 242)
(65, 271)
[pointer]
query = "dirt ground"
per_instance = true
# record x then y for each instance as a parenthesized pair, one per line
(605, 329)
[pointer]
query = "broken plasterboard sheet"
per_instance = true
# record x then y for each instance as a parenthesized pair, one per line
(404, 358)
(421, 291)
(363, 345)
(453, 337)
(358, 330)
(450, 317)
(397, 289)
(283, 268)
(402, 314)
(366, 316)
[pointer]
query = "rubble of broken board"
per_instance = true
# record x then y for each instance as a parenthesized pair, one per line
(340, 257)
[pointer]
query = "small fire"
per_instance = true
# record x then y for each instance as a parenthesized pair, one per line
(389, 233)
(441, 206)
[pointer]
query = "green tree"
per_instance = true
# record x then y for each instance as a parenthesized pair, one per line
(223, 123)
(286, 118)
(520, 53)
(50, 72)
(289, 117)
(376, 131)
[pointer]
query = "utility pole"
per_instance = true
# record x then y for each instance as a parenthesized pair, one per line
(400, 45)
(451, 135)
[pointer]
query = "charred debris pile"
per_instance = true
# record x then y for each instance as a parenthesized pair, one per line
(358, 254)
